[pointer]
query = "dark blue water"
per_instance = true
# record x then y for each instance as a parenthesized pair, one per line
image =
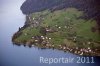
(11, 18)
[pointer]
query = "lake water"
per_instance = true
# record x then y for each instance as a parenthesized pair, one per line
(11, 18)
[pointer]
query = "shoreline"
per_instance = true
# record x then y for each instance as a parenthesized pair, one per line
(44, 41)
(76, 51)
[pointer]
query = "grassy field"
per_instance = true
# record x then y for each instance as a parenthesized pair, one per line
(67, 27)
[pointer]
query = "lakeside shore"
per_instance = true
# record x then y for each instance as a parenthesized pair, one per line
(70, 44)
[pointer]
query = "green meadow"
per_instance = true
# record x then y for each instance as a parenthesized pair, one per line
(66, 27)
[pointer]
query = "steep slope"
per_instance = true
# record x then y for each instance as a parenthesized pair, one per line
(91, 8)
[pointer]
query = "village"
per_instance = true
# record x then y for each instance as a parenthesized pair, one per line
(45, 30)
